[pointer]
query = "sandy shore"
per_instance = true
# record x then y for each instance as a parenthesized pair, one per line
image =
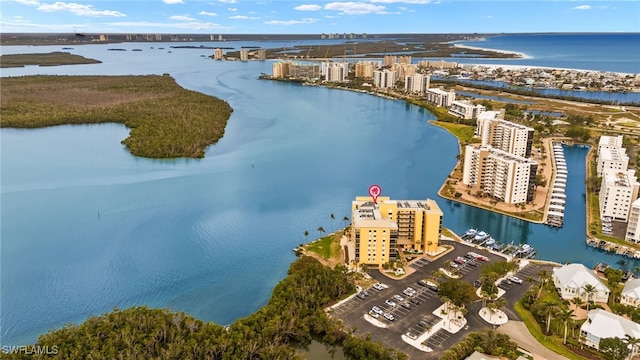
(519, 54)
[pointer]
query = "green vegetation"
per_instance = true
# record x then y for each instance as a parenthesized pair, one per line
(327, 246)
(166, 121)
(292, 317)
(464, 133)
(488, 342)
(50, 59)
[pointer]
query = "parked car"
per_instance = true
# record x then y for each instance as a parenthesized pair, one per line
(389, 317)
(361, 295)
(377, 310)
(415, 301)
(390, 302)
(405, 305)
(398, 297)
(422, 323)
(515, 279)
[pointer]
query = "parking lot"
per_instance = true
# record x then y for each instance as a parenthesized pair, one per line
(413, 315)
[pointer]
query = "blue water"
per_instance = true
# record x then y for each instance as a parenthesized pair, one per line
(87, 227)
(617, 52)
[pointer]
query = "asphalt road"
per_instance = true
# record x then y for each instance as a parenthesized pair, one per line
(406, 320)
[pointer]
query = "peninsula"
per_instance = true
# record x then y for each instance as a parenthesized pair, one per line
(166, 120)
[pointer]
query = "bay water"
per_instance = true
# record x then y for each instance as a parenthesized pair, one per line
(86, 227)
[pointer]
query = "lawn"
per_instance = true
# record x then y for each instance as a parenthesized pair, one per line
(464, 133)
(328, 247)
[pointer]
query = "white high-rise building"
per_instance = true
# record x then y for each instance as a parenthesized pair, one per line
(513, 138)
(609, 142)
(612, 159)
(440, 98)
(465, 109)
(335, 71)
(633, 227)
(508, 177)
(416, 84)
(618, 190)
(384, 79)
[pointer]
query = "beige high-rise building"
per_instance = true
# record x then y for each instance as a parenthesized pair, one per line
(281, 69)
(404, 59)
(389, 60)
(217, 54)
(505, 135)
(379, 230)
(507, 177)
(244, 54)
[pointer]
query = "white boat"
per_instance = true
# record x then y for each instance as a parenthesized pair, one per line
(481, 235)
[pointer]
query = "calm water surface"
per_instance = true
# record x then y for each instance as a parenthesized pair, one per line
(87, 227)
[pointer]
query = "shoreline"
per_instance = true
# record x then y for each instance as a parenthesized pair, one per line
(521, 55)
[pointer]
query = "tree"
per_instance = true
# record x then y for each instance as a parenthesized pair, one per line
(333, 217)
(577, 301)
(549, 308)
(306, 235)
(544, 277)
(321, 230)
(459, 292)
(346, 220)
(565, 316)
(589, 290)
(633, 343)
(614, 348)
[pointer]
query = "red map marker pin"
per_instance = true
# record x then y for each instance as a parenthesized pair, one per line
(375, 191)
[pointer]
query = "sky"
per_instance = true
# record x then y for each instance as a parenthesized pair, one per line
(311, 17)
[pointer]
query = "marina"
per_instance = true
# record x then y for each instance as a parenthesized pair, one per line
(484, 239)
(613, 248)
(558, 199)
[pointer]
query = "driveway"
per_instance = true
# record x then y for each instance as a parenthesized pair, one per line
(520, 334)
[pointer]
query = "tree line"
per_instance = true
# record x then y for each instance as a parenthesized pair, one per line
(293, 316)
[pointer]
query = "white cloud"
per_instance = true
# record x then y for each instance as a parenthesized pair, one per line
(402, 1)
(232, 9)
(172, 2)
(332, 16)
(582, 7)
(291, 22)
(308, 7)
(28, 2)
(207, 13)
(195, 25)
(354, 8)
(182, 18)
(243, 17)
(228, 1)
(77, 9)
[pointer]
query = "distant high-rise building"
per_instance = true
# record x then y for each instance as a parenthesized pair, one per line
(261, 54)
(416, 83)
(364, 69)
(618, 191)
(465, 109)
(404, 59)
(244, 54)
(389, 60)
(281, 69)
(440, 98)
(217, 54)
(504, 135)
(220, 37)
(384, 79)
(364, 35)
(309, 71)
(335, 71)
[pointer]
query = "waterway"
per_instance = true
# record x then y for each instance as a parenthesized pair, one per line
(87, 227)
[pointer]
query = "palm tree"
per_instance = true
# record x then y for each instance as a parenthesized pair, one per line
(633, 342)
(346, 220)
(306, 235)
(320, 230)
(577, 301)
(565, 316)
(333, 217)
(544, 277)
(589, 290)
(549, 307)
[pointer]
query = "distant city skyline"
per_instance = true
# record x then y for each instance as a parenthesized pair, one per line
(310, 17)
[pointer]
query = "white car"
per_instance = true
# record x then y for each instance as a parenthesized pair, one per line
(390, 303)
(389, 317)
(378, 286)
(398, 297)
(374, 315)
(377, 310)
(515, 279)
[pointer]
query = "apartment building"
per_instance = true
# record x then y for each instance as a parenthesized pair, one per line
(384, 79)
(505, 135)
(440, 98)
(244, 55)
(465, 109)
(618, 191)
(404, 69)
(404, 59)
(305, 70)
(217, 54)
(612, 159)
(379, 230)
(389, 60)
(633, 225)
(507, 177)
(281, 69)
(440, 64)
(335, 71)
(609, 142)
(364, 69)
(261, 54)
(416, 84)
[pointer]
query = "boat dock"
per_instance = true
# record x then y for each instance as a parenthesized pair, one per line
(558, 198)
(483, 239)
